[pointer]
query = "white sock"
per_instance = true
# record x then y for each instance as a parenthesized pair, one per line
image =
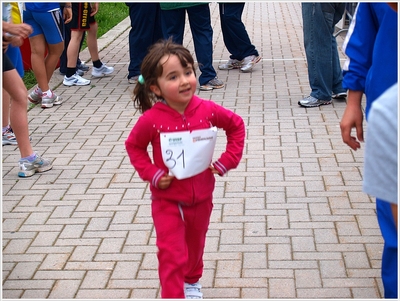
(48, 92)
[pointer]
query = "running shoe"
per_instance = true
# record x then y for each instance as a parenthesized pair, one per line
(231, 64)
(50, 100)
(103, 70)
(75, 80)
(249, 62)
(212, 84)
(35, 97)
(310, 102)
(28, 169)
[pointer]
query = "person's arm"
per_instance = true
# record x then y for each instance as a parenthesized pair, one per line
(95, 8)
(353, 118)
(67, 12)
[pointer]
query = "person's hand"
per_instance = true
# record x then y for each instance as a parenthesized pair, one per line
(95, 8)
(67, 13)
(165, 181)
(353, 118)
(6, 41)
(22, 30)
(17, 41)
(213, 170)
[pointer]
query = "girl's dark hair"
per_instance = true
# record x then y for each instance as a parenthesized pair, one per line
(151, 70)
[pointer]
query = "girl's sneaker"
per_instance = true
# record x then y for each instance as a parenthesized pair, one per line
(28, 168)
(192, 291)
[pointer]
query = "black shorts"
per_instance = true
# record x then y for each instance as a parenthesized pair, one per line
(81, 18)
(7, 64)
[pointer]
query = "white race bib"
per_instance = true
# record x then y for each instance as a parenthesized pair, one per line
(187, 154)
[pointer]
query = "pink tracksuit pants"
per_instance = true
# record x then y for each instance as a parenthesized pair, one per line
(181, 233)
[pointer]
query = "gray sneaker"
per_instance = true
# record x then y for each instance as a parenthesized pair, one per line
(28, 169)
(212, 84)
(231, 64)
(311, 101)
(249, 62)
(35, 97)
(9, 137)
(49, 100)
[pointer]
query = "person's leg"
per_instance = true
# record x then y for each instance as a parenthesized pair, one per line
(52, 58)
(6, 109)
(91, 40)
(67, 38)
(145, 31)
(200, 25)
(15, 87)
(236, 38)
(317, 30)
(72, 77)
(197, 219)
(73, 48)
(390, 248)
(38, 50)
(51, 39)
(337, 73)
(173, 24)
(172, 251)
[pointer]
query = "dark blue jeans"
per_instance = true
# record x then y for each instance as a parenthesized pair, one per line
(324, 69)
(236, 38)
(145, 31)
(200, 24)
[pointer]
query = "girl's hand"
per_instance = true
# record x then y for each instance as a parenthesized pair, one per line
(165, 181)
(213, 170)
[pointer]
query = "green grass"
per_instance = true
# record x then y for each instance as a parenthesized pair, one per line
(109, 15)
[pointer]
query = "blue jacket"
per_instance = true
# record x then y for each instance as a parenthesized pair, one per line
(371, 50)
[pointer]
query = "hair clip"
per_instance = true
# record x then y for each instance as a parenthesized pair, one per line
(141, 79)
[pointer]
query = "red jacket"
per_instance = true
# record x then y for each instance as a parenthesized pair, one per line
(199, 114)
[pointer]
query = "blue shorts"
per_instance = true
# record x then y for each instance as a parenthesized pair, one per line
(50, 24)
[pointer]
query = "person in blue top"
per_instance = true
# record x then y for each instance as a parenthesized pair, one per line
(48, 27)
(370, 69)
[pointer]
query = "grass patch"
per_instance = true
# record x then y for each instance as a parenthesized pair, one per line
(109, 15)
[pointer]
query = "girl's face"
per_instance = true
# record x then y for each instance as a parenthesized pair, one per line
(177, 84)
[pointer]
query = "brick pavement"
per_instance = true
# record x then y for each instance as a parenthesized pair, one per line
(290, 222)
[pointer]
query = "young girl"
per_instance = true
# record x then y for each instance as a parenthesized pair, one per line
(181, 209)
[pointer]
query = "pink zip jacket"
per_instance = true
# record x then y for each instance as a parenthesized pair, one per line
(199, 114)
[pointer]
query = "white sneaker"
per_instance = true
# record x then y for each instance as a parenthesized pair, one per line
(192, 291)
(75, 80)
(103, 70)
